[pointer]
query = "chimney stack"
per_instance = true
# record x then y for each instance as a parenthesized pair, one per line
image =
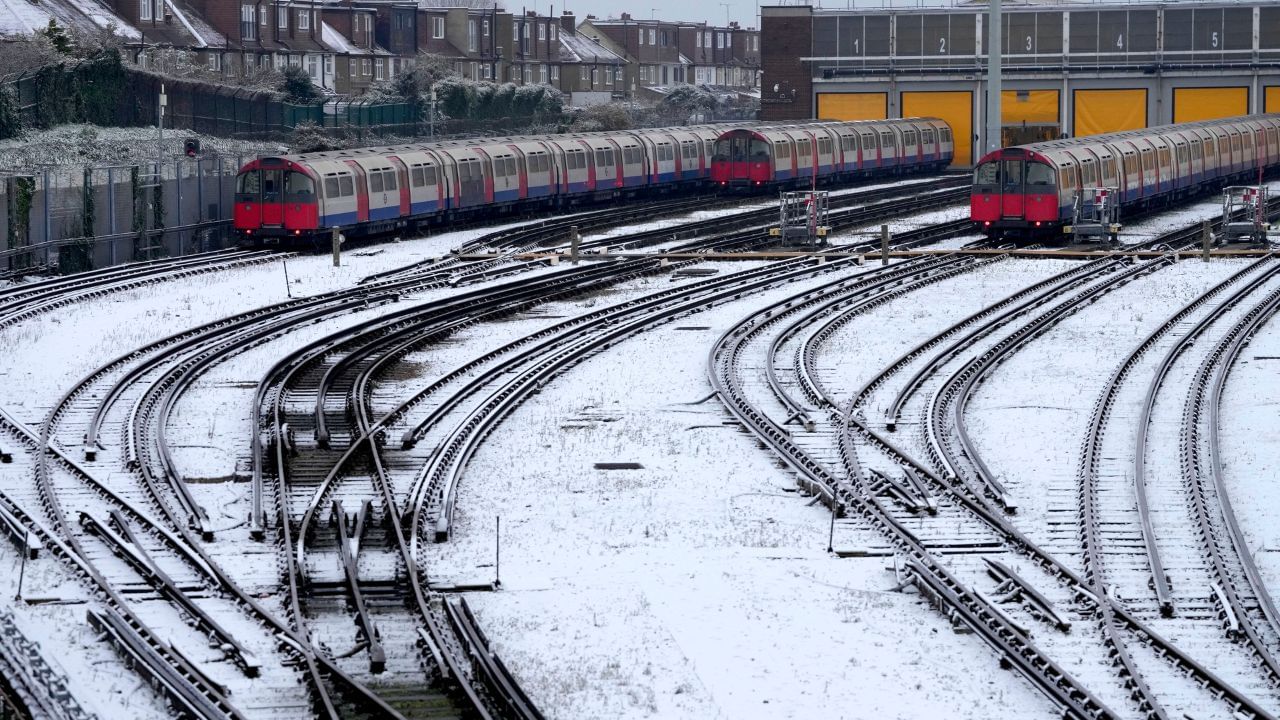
(567, 22)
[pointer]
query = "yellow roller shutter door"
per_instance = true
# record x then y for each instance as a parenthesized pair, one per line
(1104, 111)
(1034, 107)
(956, 108)
(1192, 104)
(1271, 99)
(853, 106)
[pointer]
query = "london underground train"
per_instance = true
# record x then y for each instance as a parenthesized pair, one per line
(389, 189)
(802, 153)
(1031, 190)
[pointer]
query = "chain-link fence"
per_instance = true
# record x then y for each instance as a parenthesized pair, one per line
(74, 219)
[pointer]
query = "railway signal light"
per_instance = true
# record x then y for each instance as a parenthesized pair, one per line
(191, 147)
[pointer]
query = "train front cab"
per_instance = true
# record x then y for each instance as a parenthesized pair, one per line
(275, 198)
(1015, 194)
(741, 159)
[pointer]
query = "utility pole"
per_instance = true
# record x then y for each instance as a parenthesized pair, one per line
(995, 41)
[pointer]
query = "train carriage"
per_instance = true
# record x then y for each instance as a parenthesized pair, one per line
(782, 154)
(371, 190)
(1148, 167)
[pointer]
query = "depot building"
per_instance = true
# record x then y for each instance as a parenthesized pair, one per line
(1070, 69)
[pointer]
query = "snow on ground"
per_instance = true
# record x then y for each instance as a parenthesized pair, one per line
(80, 145)
(697, 587)
(1028, 419)
(1250, 439)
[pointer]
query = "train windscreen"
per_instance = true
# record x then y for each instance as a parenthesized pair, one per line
(298, 188)
(1039, 177)
(741, 148)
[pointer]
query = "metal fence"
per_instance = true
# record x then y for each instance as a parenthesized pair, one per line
(74, 219)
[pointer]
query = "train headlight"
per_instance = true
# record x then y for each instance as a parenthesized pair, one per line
(1037, 223)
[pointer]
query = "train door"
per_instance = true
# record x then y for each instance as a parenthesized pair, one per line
(362, 191)
(272, 204)
(1012, 187)
(403, 172)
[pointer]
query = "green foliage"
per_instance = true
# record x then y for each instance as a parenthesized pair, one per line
(58, 37)
(687, 100)
(466, 99)
(296, 84)
(23, 190)
(310, 137)
(10, 122)
(609, 116)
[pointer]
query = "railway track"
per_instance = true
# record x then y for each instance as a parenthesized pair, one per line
(138, 538)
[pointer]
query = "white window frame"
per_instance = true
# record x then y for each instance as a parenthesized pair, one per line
(555, 73)
(595, 77)
(248, 21)
(366, 67)
(728, 39)
(719, 41)
(486, 70)
(215, 62)
(282, 17)
(653, 36)
(582, 73)
(379, 69)
(526, 32)
(697, 39)
(262, 15)
(515, 31)
(707, 41)
(144, 10)
(555, 32)
(473, 35)
(542, 32)
(304, 20)
(542, 74)
(485, 28)
(528, 74)
(437, 28)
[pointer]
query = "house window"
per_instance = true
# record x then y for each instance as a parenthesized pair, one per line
(304, 20)
(554, 33)
(595, 77)
(707, 41)
(475, 71)
(528, 74)
(282, 18)
(515, 32)
(365, 67)
(653, 34)
(555, 73)
(378, 70)
(525, 31)
(248, 30)
(473, 39)
(262, 16)
(328, 65)
(728, 40)
(144, 10)
(619, 76)
(719, 41)
(485, 28)
(663, 37)
(582, 73)
(215, 62)
(542, 32)
(697, 39)
(313, 66)
(437, 27)
(487, 70)
(542, 73)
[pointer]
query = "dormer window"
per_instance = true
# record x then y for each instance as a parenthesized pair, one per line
(282, 18)
(304, 20)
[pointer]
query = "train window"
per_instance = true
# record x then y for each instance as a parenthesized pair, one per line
(429, 175)
(375, 181)
(886, 139)
(331, 187)
(347, 186)
(946, 134)
(511, 166)
(1012, 173)
(389, 179)
(249, 183)
(603, 157)
(416, 176)
(1039, 174)
(988, 173)
(298, 187)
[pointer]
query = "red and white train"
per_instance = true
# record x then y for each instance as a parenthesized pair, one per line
(387, 189)
(1031, 190)
(800, 154)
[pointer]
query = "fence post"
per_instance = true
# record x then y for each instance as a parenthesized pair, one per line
(177, 192)
(48, 232)
(111, 211)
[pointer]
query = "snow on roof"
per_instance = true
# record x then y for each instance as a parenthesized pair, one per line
(337, 42)
(200, 40)
(24, 18)
(576, 48)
